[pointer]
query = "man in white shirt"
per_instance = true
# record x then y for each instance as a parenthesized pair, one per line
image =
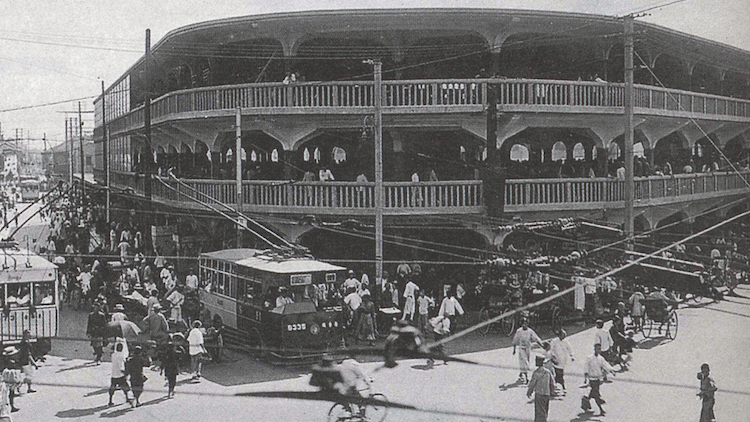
(191, 281)
(351, 282)
(450, 306)
(195, 342)
(603, 338)
(410, 291)
(561, 353)
(118, 377)
(595, 371)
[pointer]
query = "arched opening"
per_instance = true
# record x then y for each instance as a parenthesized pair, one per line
(616, 65)
(445, 57)
(641, 224)
(735, 153)
(673, 227)
(519, 153)
(705, 78)
(249, 61)
(579, 152)
(552, 152)
(547, 56)
(671, 152)
(559, 151)
(672, 72)
(736, 85)
(262, 157)
(351, 49)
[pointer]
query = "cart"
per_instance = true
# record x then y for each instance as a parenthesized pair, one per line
(659, 318)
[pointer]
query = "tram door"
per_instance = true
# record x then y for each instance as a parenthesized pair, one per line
(249, 304)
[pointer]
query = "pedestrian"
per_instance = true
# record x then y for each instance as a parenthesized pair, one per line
(119, 313)
(12, 376)
(134, 369)
(197, 349)
(95, 329)
(595, 373)
(366, 321)
(26, 360)
(5, 408)
(561, 353)
(542, 385)
(424, 303)
(118, 375)
(170, 366)
(603, 338)
(708, 390)
(176, 300)
(522, 341)
(450, 307)
(636, 311)
(441, 328)
(409, 300)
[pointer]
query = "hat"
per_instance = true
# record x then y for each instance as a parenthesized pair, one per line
(351, 271)
(10, 351)
(515, 283)
(600, 321)
(119, 307)
(156, 306)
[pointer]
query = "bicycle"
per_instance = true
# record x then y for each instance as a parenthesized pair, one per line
(343, 411)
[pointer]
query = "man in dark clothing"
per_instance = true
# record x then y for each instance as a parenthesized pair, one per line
(134, 369)
(95, 329)
(156, 327)
(26, 360)
(170, 365)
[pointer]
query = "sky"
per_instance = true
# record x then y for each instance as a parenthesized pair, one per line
(53, 51)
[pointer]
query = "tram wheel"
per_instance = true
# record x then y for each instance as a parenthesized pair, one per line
(484, 315)
(508, 324)
(255, 342)
(338, 412)
(556, 319)
(648, 326)
(672, 325)
(376, 412)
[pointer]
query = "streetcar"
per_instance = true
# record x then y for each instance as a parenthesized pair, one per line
(30, 188)
(29, 298)
(240, 287)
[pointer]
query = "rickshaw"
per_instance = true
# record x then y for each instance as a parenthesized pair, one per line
(498, 301)
(659, 317)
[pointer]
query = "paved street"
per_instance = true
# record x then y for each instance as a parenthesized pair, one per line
(661, 384)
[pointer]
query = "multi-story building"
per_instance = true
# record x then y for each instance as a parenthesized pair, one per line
(485, 112)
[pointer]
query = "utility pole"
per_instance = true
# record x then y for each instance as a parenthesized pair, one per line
(69, 148)
(80, 141)
(628, 105)
(238, 169)
(105, 152)
(147, 163)
(379, 197)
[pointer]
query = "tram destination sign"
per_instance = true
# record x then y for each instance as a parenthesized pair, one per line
(301, 279)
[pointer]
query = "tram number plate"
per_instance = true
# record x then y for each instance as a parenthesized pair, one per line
(296, 327)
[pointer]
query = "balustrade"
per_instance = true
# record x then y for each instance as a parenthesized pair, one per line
(427, 93)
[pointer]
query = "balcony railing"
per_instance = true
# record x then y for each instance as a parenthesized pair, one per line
(439, 95)
(433, 197)
(282, 196)
(567, 191)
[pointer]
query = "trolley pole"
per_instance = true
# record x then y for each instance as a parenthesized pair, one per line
(80, 142)
(105, 153)
(69, 151)
(628, 105)
(379, 197)
(148, 161)
(238, 169)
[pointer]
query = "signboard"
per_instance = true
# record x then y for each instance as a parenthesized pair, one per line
(331, 278)
(301, 279)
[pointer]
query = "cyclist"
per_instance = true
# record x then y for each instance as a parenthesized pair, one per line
(345, 379)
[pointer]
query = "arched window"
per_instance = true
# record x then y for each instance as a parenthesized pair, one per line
(638, 150)
(230, 153)
(559, 152)
(306, 155)
(614, 151)
(593, 153)
(243, 154)
(338, 154)
(253, 156)
(698, 150)
(519, 153)
(275, 155)
(579, 152)
(316, 155)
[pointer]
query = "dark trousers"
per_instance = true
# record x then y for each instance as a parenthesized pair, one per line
(119, 383)
(594, 393)
(541, 407)
(171, 382)
(707, 410)
(560, 376)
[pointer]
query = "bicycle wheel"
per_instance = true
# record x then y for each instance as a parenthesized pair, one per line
(338, 413)
(648, 326)
(484, 315)
(376, 412)
(556, 319)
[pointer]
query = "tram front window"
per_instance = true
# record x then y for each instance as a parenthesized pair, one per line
(18, 295)
(44, 293)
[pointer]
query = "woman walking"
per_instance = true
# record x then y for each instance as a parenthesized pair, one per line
(134, 369)
(170, 366)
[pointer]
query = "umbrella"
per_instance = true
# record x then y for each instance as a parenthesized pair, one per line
(125, 329)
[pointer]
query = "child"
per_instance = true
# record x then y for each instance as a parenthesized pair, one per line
(424, 304)
(627, 348)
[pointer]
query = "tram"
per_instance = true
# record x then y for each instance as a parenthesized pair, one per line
(240, 288)
(30, 188)
(29, 297)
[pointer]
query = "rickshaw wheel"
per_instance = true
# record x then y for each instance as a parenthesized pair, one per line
(376, 412)
(648, 326)
(484, 315)
(508, 324)
(338, 412)
(556, 319)
(672, 325)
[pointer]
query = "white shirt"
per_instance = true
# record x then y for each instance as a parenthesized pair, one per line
(195, 340)
(450, 306)
(524, 338)
(353, 300)
(410, 289)
(596, 367)
(604, 338)
(561, 351)
(191, 281)
(118, 316)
